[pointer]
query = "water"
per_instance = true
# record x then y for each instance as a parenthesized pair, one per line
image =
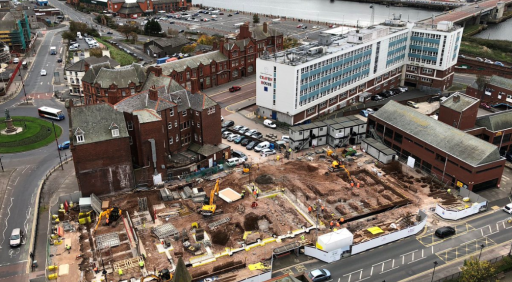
(499, 31)
(340, 12)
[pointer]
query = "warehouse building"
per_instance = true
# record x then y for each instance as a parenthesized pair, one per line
(297, 85)
(454, 156)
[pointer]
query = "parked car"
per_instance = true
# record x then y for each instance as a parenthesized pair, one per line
(376, 98)
(507, 208)
(238, 127)
(230, 15)
(16, 237)
(367, 112)
(318, 275)
(239, 154)
(43, 72)
(226, 134)
(257, 135)
(403, 88)
(239, 139)
(243, 129)
(223, 129)
(245, 142)
(261, 146)
(269, 123)
(444, 232)
(488, 61)
(181, 31)
(234, 161)
(485, 106)
(59, 60)
(412, 104)
(232, 137)
(305, 27)
(479, 59)
(499, 64)
(396, 91)
(64, 145)
(234, 88)
(300, 25)
(251, 145)
(110, 32)
(251, 132)
(286, 138)
(387, 94)
(267, 152)
(228, 123)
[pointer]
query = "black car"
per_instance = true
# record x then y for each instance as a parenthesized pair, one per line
(245, 141)
(223, 129)
(444, 232)
(387, 94)
(251, 145)
(230, 15)
(59, 60)
(376, 98)
(239, 140)
(257, 135)
(109, 32)
(434, 99)
(171, 22)
(228, 123)
(181, 31)
(396, 91)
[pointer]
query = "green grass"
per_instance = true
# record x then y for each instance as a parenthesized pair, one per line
(457, 87)
(118, 55)
(477, 50)
(469, 29)
(35, 135)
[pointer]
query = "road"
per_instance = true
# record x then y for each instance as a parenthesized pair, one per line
(225, 98)
(31, 167)
(416, 254)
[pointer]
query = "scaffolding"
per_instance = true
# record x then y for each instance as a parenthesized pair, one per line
(107, 240)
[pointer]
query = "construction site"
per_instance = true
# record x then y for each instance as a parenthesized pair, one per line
(229, 224)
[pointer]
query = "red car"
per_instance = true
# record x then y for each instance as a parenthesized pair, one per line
(234, 88)
(299, 26)
(332, 26)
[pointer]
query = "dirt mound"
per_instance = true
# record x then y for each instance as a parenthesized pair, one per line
(311, 168)
(264, 179)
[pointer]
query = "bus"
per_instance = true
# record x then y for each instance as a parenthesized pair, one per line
(50, 113)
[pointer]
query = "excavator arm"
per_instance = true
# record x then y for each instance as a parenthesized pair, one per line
(215, 191)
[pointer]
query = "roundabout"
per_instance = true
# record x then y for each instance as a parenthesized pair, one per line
(30, 133)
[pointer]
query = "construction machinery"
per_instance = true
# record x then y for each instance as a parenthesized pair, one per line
(336, 166)
(209, 208)
(112, 215)
(247, 168)
(163, 276)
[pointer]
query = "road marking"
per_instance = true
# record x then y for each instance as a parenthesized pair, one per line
(16, 181)
(25, 169)
(6, 225)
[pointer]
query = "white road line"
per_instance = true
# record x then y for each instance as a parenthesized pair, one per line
(25, 169)
(16, 181)
(6, 226)
(353, 272)
(381, 262)
(415, 260)
(389, 269)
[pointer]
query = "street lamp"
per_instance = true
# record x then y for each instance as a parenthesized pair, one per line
(433, 272)
(481, 248)
(23, 85)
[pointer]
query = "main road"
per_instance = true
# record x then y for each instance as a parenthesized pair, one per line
(29, 167)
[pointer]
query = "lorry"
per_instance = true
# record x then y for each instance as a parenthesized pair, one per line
(53, 50)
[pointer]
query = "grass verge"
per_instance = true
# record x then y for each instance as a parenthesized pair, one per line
(117, 54)
(37, 133)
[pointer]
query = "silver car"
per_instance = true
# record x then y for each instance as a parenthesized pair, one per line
(232, 137)
(226, 134)
(16, 236)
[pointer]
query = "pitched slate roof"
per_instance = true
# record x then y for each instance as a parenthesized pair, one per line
(240, 43)
(501, 82)
(173, 42)
(122, 77)
(464, 102)
(193, 62)
(80, 65)
(495, 122)
(95, 122)
(258, 34)
(147, 115)
(130, 8)
(141, 101)
(459, 144)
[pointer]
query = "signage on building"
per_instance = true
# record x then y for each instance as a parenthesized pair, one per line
(266, 81)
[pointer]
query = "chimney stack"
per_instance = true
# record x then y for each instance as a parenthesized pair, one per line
(456, 98)
(244, 32)
(86, 66)
(265, 27)
(153, 93)
(156, 70)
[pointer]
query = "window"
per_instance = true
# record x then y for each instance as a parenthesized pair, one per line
(175, 123)
(211, 110)
(115, 132)
(310, 110)
(428, 150)
(213, 68)
(123, 93)
(132, 90)
(250, 69)
(169, 126)
(463, 168)
(235, 73)
(198, 125)
(440, 158)
(131, 140)
(418, 144)
(195, 137)
(171, 141)
(130, 125)
(79, 138)
(323, 104)
(171, 112)
(184, 113)
(398, 137)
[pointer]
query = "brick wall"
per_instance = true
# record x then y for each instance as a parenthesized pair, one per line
(462, 121)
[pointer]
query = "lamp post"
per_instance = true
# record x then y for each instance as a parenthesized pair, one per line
(481, 248)
(433, 272)
(23, 85)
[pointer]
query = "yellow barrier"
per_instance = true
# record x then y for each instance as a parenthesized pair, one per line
(53, 276)
(53, 267)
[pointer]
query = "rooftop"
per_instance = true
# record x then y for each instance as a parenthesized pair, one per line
(501, 82)
(459, 102)
(454, 142)
(173, 42)
(105, 75)
(80, 65)
(495, 122)
(192, 62)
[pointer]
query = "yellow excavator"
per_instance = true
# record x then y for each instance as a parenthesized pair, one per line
(336, 166)
(112, 215)
(209, 207)
(164, 276)
(247, 168)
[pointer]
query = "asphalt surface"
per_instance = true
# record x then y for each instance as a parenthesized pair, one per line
(416, 254)
(18, 206)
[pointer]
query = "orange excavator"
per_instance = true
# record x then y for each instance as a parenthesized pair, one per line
(210, 208)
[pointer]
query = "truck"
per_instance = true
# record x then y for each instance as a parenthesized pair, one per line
(161, 60)
(53, 50)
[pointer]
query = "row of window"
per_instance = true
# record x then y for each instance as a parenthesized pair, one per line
(426, 53)
(332, 70)
(336, 59)
(423, 61)
(396, 54)
(338, 78)
(396, 46)
(424, 44)
(426, 35)
(397, 37)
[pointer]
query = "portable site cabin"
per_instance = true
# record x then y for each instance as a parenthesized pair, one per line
(308, 135)
(345, 130)
(378, 150)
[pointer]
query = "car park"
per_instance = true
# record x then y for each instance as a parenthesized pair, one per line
(234, 161)
(238, 127)
(251, 132)
(396, 91)
(318, 275)
(507, 208)
(232, 137)
(228, 123)
(376, 98)
(412, 104)
(64, 145)
(267, 152)
(16, 237)
(257, 135)
(234, 88)
(269, 123)
(445, 231)
(227, 134)
(251, 145)
(239, 139)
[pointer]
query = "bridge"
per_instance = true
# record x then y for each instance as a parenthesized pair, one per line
(474, 13)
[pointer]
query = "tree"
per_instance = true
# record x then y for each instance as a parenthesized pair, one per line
(96, 52)
(127, 30)
(189, 48)
(290, 42)
(67, 35)
(206, 40)
(475, 270)
(255, 19)
(481, 80)
(134, 37)
(181, 273)
(152, 27)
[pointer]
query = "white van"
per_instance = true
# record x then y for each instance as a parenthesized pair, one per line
(269, 123)
(235, 161)
(79, 35)
(261, 146)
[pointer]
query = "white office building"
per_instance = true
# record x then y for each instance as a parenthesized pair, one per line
(299, 84)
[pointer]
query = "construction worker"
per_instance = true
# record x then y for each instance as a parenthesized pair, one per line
(357, 184)
(338, 224)
(331, 224)
(254, 205)
(120, 272)
(107, 220)
(242, 195)
(141, 264)
(68, 248)
(352, 184)
(342, 220)
(257, 194)
(302, 237)
(322, 208)
(310, 209)
(314, 207)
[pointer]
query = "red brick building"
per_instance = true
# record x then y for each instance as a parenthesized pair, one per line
(104, 84)
(459, 111)
(172, 130)
(454, 156)
(495, 92)
(266, 38)
(127, 9)
(100, 145)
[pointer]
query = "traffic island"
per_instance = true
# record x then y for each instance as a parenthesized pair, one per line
(31, 133)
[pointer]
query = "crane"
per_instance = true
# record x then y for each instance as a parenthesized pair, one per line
(112, 215)
(208, 210)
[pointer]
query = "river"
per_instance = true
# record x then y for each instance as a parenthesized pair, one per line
(340, 12)
(499, 31)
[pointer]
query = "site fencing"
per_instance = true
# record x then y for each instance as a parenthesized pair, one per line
(455, 277)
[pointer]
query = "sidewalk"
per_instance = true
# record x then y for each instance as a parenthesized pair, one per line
(60, 182)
